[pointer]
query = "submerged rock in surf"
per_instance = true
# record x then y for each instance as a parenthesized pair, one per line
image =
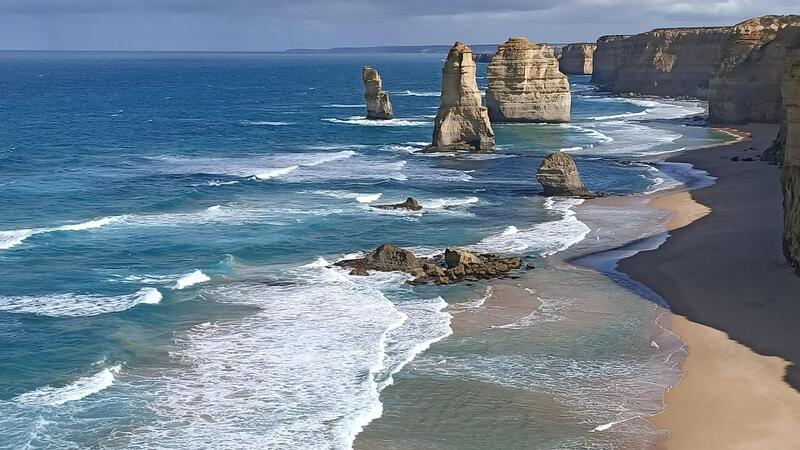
(452, 266)
(410, 204)
(559, 176)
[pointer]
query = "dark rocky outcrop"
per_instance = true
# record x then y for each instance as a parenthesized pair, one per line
(525, 84)
(378, 105)
(790, 176)
(452, 266)
(665, 61)
(410, 204)
(746, 86)
(462, 123)
(577, 59)
(559, 176)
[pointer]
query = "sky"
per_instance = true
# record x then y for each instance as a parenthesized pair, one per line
(270, 25)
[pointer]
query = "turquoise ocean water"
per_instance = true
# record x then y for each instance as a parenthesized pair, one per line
(168, 219)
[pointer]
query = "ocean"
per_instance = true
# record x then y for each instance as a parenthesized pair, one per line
(168, 224)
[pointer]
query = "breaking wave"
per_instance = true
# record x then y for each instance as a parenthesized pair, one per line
(77, 305)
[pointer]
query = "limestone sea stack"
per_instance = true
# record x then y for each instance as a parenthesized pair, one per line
(559, 176)
(746, 86)
(525, 84)
(462, 123)
(790, 177)
(378, 105)
(577, 59)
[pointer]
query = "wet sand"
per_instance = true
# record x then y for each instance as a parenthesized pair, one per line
(725, 273)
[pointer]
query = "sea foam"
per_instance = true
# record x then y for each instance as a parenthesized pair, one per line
(545, 238)
(78, 389)
(191, 279)
(77, 305)
(314, 356)
(12, 238)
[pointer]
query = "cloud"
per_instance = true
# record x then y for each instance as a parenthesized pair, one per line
(280, 24)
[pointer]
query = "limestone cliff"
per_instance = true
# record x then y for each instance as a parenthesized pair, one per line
(525, 84)
(462, 123)
(605, 60)
(746, 87)
(577, 59)
(790, 177)
(559, 176)
(666, 61)
(378, 104)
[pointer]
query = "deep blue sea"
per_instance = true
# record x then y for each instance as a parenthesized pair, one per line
(168, 221)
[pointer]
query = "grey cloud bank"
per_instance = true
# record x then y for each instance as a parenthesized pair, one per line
(252, 25)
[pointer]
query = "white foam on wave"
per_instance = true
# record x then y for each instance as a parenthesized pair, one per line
(340, 105)
(473, 303)
(12, 238)
(450, 202)
(599, 137)
(77, 305)
(409, 93)
(221, 183)
(358, 197)
(78, 389)
(549, 310)
(368, 198)
(269, 174)
(191, 279)
(545, 238)
(256, 167)
(313, 357)
(621, 116)
(359, 120)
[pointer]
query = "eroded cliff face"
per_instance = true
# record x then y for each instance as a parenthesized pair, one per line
(525, 84)
(606, 57)
(462, 123)
(378, 104)
(665, 62)
(790, 177)
(577, 59)
(746, 86)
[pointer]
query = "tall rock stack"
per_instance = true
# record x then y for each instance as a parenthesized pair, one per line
(577, 59)
(790, 177)
(462, 123)
(378, 104)
(746, 86)
(525, 84)
(664, 61)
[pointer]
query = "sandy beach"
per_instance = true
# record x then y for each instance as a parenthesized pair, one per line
(734, 301)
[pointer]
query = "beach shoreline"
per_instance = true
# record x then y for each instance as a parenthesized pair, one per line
(731, 396)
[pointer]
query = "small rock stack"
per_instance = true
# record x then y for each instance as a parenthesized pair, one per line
(378, 105)
(559, 176)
